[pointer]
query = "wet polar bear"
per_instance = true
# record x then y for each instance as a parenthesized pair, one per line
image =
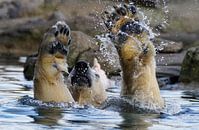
(88, 85)
(49, 83)
(137, 57)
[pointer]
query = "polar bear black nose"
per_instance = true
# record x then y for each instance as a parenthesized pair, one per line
(81, 75)
(81, 67)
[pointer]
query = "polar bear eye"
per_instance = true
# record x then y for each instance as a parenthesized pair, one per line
(97, 76)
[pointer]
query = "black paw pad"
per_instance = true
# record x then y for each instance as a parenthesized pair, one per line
(132, 27)
(61, 28)
(120, 10)
(55, 47)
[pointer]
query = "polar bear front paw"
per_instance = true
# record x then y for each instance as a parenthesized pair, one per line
(62, 32)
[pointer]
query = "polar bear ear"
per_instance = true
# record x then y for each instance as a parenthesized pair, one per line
(96, 64)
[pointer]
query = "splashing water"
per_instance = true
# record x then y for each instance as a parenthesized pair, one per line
(107, 49)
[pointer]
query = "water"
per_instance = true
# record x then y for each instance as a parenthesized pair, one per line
(14, 115)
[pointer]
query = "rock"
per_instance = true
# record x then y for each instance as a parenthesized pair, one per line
(168, 67)
(190, 66)
(164, 81)
(107, 55)
(57, 15)
(19, 8)
(170, 59)
(82, 47)
(88, 24)
(29, 67)
(167, 46)
(186, 38)
(168, 71)
(22, 36)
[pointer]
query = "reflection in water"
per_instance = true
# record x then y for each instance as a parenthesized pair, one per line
(135, 121)
(47, 116)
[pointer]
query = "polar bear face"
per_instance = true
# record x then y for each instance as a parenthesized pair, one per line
(83, 76)
(87, 85)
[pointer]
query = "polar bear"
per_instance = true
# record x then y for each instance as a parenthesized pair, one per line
(88, 85)
(137, 56)
(49, 83)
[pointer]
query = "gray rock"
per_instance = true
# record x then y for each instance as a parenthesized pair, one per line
(169, 64)
(167, 46)
(57, 15)
(190, 66)
(22, 36)
(168, 71)
(170, 59)
(166, 82)
(19, 8)
(29, 67)
(186, 38)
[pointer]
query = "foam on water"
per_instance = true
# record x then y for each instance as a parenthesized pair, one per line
(27, 100)
(117, 104)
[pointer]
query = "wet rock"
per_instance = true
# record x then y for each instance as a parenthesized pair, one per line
(82, 47)
(187, 38)
(170, 59)
(190, 66)
(169, 64)
(170, 71)
(29, 67)
(167, 46)
(107, 55)
(164, 81)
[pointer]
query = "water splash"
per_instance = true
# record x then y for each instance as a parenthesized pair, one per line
(27, 100)
(107, 49)
(172, 108)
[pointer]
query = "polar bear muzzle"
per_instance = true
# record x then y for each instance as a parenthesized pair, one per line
(81, 76)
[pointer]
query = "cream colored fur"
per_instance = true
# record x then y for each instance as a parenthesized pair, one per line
(137, 59)
(94, 95)
(139, 78)
(49, 84)
(107, 83)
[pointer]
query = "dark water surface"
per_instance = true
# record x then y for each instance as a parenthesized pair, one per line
(14, 115)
